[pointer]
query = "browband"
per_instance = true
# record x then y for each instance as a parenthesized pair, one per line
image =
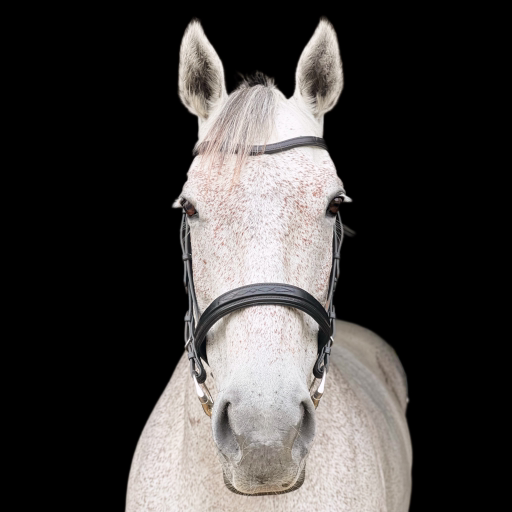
(277, 147)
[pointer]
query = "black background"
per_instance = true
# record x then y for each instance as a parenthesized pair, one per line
(138, 147)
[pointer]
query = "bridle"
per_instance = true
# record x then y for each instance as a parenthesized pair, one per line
(198, 324)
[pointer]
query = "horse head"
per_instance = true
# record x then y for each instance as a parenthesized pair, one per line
(261, 218)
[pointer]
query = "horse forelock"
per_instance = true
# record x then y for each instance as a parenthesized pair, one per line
(247, 118)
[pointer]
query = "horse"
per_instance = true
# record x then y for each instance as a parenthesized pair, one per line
(255, 217)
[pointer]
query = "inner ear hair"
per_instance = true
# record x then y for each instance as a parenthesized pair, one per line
(201, 74)
(319, 79)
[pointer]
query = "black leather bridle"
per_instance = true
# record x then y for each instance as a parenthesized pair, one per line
(197, 325)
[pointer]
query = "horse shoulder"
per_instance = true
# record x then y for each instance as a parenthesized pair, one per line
(375, 375)
(174, 451)
(157, 459)
(377, 356)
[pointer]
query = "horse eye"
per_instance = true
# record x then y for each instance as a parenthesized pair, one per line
(189, 208)
(334, 205)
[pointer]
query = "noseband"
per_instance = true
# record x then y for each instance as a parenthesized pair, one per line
(197, 325)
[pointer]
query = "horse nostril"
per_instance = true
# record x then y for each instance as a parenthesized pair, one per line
(223, 433)
(307, 428)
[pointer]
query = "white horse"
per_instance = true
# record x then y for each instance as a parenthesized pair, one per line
(258, 219)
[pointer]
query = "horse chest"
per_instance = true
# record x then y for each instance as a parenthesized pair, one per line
(176, 467)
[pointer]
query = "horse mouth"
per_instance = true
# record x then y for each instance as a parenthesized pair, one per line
(298, 483)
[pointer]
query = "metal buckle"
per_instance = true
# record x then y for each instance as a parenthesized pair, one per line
(317, 395)
(325, 354)
(205, 398)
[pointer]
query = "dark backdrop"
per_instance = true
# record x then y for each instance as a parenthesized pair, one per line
(138, 150)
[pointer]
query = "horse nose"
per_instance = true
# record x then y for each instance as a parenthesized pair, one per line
(263, 431)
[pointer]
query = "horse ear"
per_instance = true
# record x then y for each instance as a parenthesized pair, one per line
(319, 75)
(201, 74)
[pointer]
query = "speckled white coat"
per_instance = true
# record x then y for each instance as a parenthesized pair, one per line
(270, 225)
(360, 460)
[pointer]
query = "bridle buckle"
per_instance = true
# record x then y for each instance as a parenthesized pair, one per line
(205, 398)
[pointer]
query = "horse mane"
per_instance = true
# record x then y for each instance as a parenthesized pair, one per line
(246, 119)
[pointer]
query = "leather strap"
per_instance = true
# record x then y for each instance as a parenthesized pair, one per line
(259, 293)
(256, 295)
(197, 325)
(277, 147)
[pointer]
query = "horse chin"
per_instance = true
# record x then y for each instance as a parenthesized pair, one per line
(298, 483)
